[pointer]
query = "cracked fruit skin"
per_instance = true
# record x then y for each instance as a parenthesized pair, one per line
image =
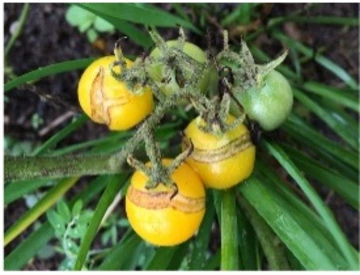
(221, 162)
(271, 104)
(166, 79)
(108, 101)
(160, 220)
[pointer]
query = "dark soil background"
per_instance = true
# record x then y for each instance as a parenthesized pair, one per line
(47, 38)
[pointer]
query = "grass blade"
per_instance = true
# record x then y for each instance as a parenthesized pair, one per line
(29, 247)
(201, 241)
(52, 69)
(247, 242)
(123, 252)
(311, 137)
(272, 247)
(60, 135)
(337, 95)
(161, 258)
(179, 257)
(40, 208)
(297, 233)
(39, 238)
(316, 201)
(113, 187)
(326, 63)
(143, 15)
(343, 130)
(346, 188)
(17, 190)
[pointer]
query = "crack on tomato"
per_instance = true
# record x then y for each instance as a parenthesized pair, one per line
(234, 147)
(100, 104)
(162, 200)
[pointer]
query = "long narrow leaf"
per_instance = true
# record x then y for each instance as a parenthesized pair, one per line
(52, 69)
(114, 185)
(201, 241)
(40, 208)
(316, 201)
(311, 250)
(325, 62)
(342, 129)
(339, 96)
(143, 15)
(346, 188)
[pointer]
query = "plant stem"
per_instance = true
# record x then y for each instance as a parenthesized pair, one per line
(272, 246)
(23, 15)
(25, 167)
(229, 243)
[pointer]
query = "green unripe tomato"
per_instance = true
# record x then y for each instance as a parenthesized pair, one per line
(270, 105)
(167, 79)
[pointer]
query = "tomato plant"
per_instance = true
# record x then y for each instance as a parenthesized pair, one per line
(158, 217)
(108, 101)
(221, 161)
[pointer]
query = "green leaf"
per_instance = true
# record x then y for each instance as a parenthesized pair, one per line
(64, 211)
(28, 247)
(340, 96)
(247, 241)
(122, 253)
(84, 25)
(91, 35)
(346, 188)
(56, 222)
(202, 239)
(102, 25)
(179, 257)
(76, 210)
(16, 190)
(136, 14)
(60, 135)
(114, 185)
(297, 233)
(272, 247)
(214, 262)
(75, 16)
(40, 237)
(161, 258)
(42, 206)
(52, 69)
(326, 63)
(341, 129)
(316, 201)
(309, 136)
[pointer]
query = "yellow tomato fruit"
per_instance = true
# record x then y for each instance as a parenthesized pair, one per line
(160, 219)
(221, 162)
(108, 101)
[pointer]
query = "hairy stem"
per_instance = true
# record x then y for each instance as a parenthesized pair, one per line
(25, 167)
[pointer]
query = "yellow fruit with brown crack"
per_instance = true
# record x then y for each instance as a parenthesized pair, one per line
(161, 218)
(109, 101)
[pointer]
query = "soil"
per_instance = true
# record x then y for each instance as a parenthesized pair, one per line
(47, 38)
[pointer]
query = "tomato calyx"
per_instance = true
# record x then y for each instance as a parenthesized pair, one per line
(246, 73)
(155, 170)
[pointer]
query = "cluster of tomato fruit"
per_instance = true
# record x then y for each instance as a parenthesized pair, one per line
(218, 162)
